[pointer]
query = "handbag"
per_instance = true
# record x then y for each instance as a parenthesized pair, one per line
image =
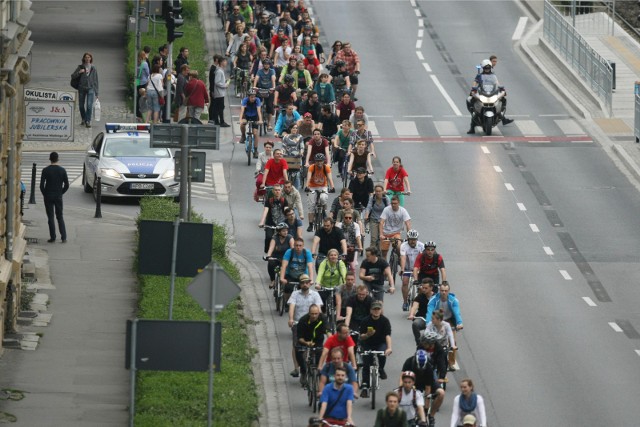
(75, 81)
(161, 100)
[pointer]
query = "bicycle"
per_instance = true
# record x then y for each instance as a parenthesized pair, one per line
(264, 95)
(318, 210)
(311, 375)
(241, 82)
(394, 258)
(413, 290)
(374, 373)
(250, 144)
(278, 289)
(330, 309)
(431, 421)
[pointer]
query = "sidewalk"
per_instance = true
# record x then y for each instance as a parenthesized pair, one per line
(614, 133)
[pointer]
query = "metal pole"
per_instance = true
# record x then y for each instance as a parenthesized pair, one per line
(184, 170)
(135, 62)
(189, 192)
(573, 13)
(168, 83)
(212, 340)
(98, 191)
(613, 18)
(11, 170)
(132, 372)
(174, 255)
(32, 196)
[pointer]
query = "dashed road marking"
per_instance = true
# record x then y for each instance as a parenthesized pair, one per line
(421, 22)
(497, 169)
(219, 181)
(417, 12)
(444, 93)
(521, 206)
(509, 186)
(615, 326)
(419, 55)
(534, 228)
(418, 43)
(406, 128)
(485, 150)
(517, 34)
(565, 275)
(420, 33)
(638, 352)
(426, 67)
(446, 128)
(589, 302)
(547, 250)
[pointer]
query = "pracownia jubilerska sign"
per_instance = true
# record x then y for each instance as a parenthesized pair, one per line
(49, 114)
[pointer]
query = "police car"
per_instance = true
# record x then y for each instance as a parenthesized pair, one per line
(127, 165)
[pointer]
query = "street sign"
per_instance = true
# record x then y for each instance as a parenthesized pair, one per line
(168, 135)
(225, 288)
(197, 165)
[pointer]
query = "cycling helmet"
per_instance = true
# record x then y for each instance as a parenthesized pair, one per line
(409, 374)
(251, 92)
(289, 78)
(485, 63)
(319, 157)
(412, 234)
(422, 358)
(430, 244)
(340, 63)
(281, 226)
(429, 337)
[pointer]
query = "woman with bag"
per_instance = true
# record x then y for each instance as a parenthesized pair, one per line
(155, 93)
(142, 78)
(197, 95)
(87, 76)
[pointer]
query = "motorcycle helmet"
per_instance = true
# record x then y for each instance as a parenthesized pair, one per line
(319, 157)
(422, 358)
(486, 63)
(412, 234)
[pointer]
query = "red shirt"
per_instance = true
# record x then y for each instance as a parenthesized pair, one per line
(197, 93)
(317, 149)
(333, 342)
(276, 42)
(396, 179)
(312, 65)
(276, 171)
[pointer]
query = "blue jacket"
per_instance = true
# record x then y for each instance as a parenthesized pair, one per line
(454, 307)
(281, 120)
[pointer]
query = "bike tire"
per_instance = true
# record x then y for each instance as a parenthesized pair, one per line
(394, 264)
(314, 391)
(487, 128)
(310, 398)
(345, 179)
(373, 386)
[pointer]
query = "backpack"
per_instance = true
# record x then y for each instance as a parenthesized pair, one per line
(306, 257)
(434, 264)
(413, 401)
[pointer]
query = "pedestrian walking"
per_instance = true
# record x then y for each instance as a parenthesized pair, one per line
(88, 87)
(142, 78)
(53, 184)
(180, 100)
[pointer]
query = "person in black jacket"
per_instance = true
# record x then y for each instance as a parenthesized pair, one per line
(375, 334)
(53, 184)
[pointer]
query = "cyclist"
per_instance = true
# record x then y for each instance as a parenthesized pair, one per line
(285, 94)
(338, 202)
(263, 158)
(347, 206)
(339, 78)
(288, 69)
(342, 142)
(317, 145)
(343, 293)
(391, 415)
(336, 400)
(281, 56)
(409, 250)
(273, 213)
(411, 400)
(437, 358)
(312, 64)
(294, 199)
(450, 306)
(247, 12)
(353, 236)
(277, 39)
(429, 264)
(331, 273)
(425, 381)
(345, 107)
(319, 179)
(328, 237)
(328, 370)
(445, 333)
(266, 79)
(418, 309)
(352, 62)
(296, 263)
(392, 220)
(362, 134)
(302, 77)
(360, 158)
(287, 119)
(372, 213)
(396, 180)
(280, 242)
(306, 126)
(250, 111)
(468, 407)
(299, 304)
(264, 30)
(362, 189)
(341, 340)
(358, 307)
(295, 224)
(310, 332)
(324, 89)
(275, 171)
(359, 114)
(328, 121)
(373, 270)
(312, 106)
(241, 64)
(375, 334)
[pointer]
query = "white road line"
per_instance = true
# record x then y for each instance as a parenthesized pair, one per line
(419, 44)
(380, 116)
(485, 150)
(565, 274)
(219, 182)
(509, 186)
(426, 116)
(426, 66)
(529, 128)
(452, 141)
(497, 169)
(554, 115)
(547, 250)
(638, 352)
(589, 302)
(534, 228)
(417, 11)
(517, 34)
(569, 127)
(420, 55)
(413, 3)
(420, 33)
(406, 128)
(372, 128)
(615, 326)
(75, 183)
(446, 128)
(446, 96)
(521, 206)
(420, 22)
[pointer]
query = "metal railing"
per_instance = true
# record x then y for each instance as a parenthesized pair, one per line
(636, 115)
(594, 70)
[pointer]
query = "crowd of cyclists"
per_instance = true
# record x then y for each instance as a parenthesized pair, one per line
(363, 241)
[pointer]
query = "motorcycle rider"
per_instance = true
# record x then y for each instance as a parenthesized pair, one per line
(486, 69)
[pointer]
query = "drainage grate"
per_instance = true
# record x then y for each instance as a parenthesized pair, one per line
(32, 240)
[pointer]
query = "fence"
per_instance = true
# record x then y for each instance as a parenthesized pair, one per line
(636, 115)
(594, 70)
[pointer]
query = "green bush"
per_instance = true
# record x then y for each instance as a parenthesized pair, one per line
(180, 398)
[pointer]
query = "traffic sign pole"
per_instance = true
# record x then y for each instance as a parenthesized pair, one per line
(174, 256)
(184, 167)
(212, 340)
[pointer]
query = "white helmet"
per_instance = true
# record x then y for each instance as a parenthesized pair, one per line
(486, 63)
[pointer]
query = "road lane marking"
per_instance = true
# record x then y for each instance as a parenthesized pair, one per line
(219, 182)
(426, 116)
(426, 67)
(589, 302)
(509, 186)
(413, 3)
(420, 33)
(418, 43)
(517, 34)
(521, 206)
(638, 352)
(372, 128)
(497, 169)
(417, 11)
(569, 127)
(420, 22)
(420, 55)
(565, 274)
(485, 150)
(446, 96)
(534, 228)
(529, 128)
(547, 250)
(446, 128)
(615, 326)
(406, 128)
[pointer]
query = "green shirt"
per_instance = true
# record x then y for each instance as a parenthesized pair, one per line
(331, 276)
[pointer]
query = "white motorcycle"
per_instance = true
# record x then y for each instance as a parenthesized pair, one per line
(486, 104)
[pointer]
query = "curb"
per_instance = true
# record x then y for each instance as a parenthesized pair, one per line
(626, 159)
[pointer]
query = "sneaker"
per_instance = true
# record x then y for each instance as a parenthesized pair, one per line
(242, 138)
(310, 228)
(294, 373)
(225, 125)
(471, 131)
(365, 392)
(238, 95)
(451, 368)
(303, 381)
(432, 421)
(383, 374)
(506, 121)
(405, 306)
(88, 124)
(51, 240)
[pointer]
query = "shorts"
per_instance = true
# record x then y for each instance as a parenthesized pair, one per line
(254, 120)
(311, 198)
(384, 244)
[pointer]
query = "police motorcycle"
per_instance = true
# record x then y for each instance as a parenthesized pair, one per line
(486, 103)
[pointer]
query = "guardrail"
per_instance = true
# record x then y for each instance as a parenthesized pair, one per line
(636, 115)
(594, 70)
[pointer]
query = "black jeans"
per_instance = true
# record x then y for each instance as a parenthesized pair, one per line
(216, 111)
(53, 207)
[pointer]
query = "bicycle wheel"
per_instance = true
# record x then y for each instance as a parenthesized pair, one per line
(314, 390)
(373, 386)
(345, 178)
(331, 318)
(282, 304)
(394, 264)
(310, 392)
(249, 147)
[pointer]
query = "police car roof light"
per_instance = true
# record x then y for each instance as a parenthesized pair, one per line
(124, 127)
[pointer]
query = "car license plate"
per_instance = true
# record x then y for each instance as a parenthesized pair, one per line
(140, 186)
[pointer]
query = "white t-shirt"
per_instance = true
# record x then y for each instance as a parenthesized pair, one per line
(406, 402)
(280, 59)
(394, 220)
(410, 253)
